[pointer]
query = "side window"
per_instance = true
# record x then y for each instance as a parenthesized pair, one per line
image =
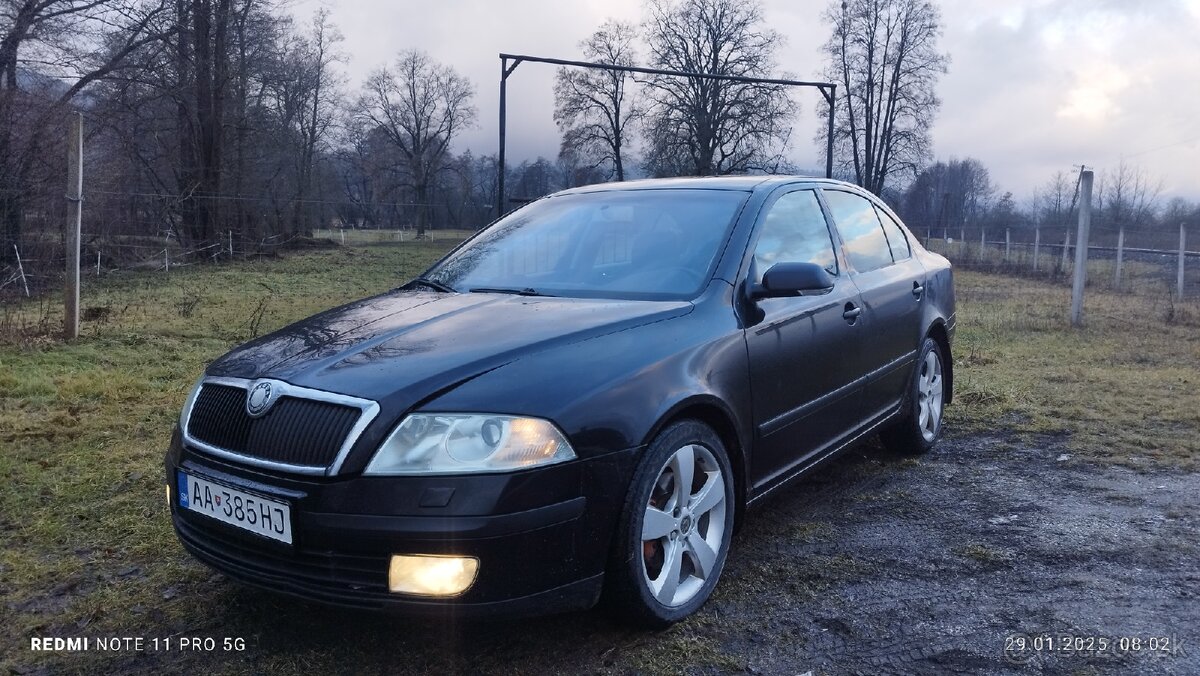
(863, 240)
(895, 235)
(794, 231)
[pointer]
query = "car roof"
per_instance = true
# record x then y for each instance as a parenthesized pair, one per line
(742, 182)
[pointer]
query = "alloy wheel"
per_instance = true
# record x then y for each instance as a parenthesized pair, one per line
(929, 395)
(683, 528)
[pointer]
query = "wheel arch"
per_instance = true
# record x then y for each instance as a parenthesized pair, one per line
(941, 336)
(714, 413)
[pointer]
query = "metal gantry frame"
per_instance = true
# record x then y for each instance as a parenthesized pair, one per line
(827, 89)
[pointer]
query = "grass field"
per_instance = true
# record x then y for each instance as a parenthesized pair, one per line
(363, 237)
(85, 542)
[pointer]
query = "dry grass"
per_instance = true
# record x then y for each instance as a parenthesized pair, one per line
(1125, 387)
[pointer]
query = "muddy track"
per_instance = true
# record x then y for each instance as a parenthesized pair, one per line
(871, 565)
(986, 539)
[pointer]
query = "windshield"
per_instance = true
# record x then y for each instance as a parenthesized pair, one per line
(618, 244)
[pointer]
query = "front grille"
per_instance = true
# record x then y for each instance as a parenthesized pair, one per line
(294, 431)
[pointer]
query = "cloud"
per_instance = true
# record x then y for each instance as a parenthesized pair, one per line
(1063, 83)
(1035, 86)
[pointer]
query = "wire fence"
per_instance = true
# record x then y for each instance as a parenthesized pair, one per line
(1123, 260)
(139, 229)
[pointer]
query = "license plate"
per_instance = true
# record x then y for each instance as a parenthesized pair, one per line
(248, 511)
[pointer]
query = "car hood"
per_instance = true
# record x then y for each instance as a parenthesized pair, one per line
(405, 346)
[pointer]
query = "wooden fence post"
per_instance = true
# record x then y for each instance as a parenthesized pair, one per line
(1066, 248)
(74, 214)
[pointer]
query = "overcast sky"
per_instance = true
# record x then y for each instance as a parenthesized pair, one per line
(1034, 86)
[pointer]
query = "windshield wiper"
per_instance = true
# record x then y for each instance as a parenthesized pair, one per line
(527, 291)
(436, 286)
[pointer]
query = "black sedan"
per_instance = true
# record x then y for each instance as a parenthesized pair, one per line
(579, 401)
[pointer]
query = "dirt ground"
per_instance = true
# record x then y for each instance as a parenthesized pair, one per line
(870, 565)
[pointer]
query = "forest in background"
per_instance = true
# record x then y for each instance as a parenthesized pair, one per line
(227, 126)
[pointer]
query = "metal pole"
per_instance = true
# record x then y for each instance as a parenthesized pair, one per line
(74, 215)
(1182, 251)
(503, 114)
(1081, 248)
(1037, 245)
(1007, 243)
(1120, 258)
(231, 245)
(829, 138)
(518, 58)
(506, 70)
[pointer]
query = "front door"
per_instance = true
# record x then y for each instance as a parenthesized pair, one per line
(805, 359)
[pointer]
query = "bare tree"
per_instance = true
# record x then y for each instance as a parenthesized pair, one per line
(594, 109)
(884, 56)
(1129, 196)
(703, 126)
(420, 106)
(1053, 201)
(50, 51)
(1178, 210)
(310, 94)
(950, 194)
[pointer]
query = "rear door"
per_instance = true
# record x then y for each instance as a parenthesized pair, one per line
(891, 282)
(805, 357)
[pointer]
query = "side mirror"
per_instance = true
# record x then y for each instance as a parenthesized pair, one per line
(792, 279)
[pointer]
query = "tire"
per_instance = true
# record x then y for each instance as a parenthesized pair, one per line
(670, 547)
(925, 400)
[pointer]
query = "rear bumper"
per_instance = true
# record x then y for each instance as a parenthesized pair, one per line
(541, 536)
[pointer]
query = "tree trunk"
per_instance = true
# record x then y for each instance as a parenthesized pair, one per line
(10, 222)
(422, 190)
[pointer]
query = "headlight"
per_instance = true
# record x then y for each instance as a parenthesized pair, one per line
(455, 443)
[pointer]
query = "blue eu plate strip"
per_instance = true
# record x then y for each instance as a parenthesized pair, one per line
(183, 490)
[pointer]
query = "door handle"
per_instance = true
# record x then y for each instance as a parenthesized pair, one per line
(918, 290)
(851, 312)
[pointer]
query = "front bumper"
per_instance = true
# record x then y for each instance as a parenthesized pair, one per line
(542, 536)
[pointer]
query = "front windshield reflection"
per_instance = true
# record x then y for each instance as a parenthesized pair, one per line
(618, 244)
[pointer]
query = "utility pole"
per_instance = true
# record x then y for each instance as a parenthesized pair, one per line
(74, 213)
(1081, 247)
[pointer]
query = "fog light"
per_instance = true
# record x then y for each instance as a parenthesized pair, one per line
(168, 496)
(430, 575)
